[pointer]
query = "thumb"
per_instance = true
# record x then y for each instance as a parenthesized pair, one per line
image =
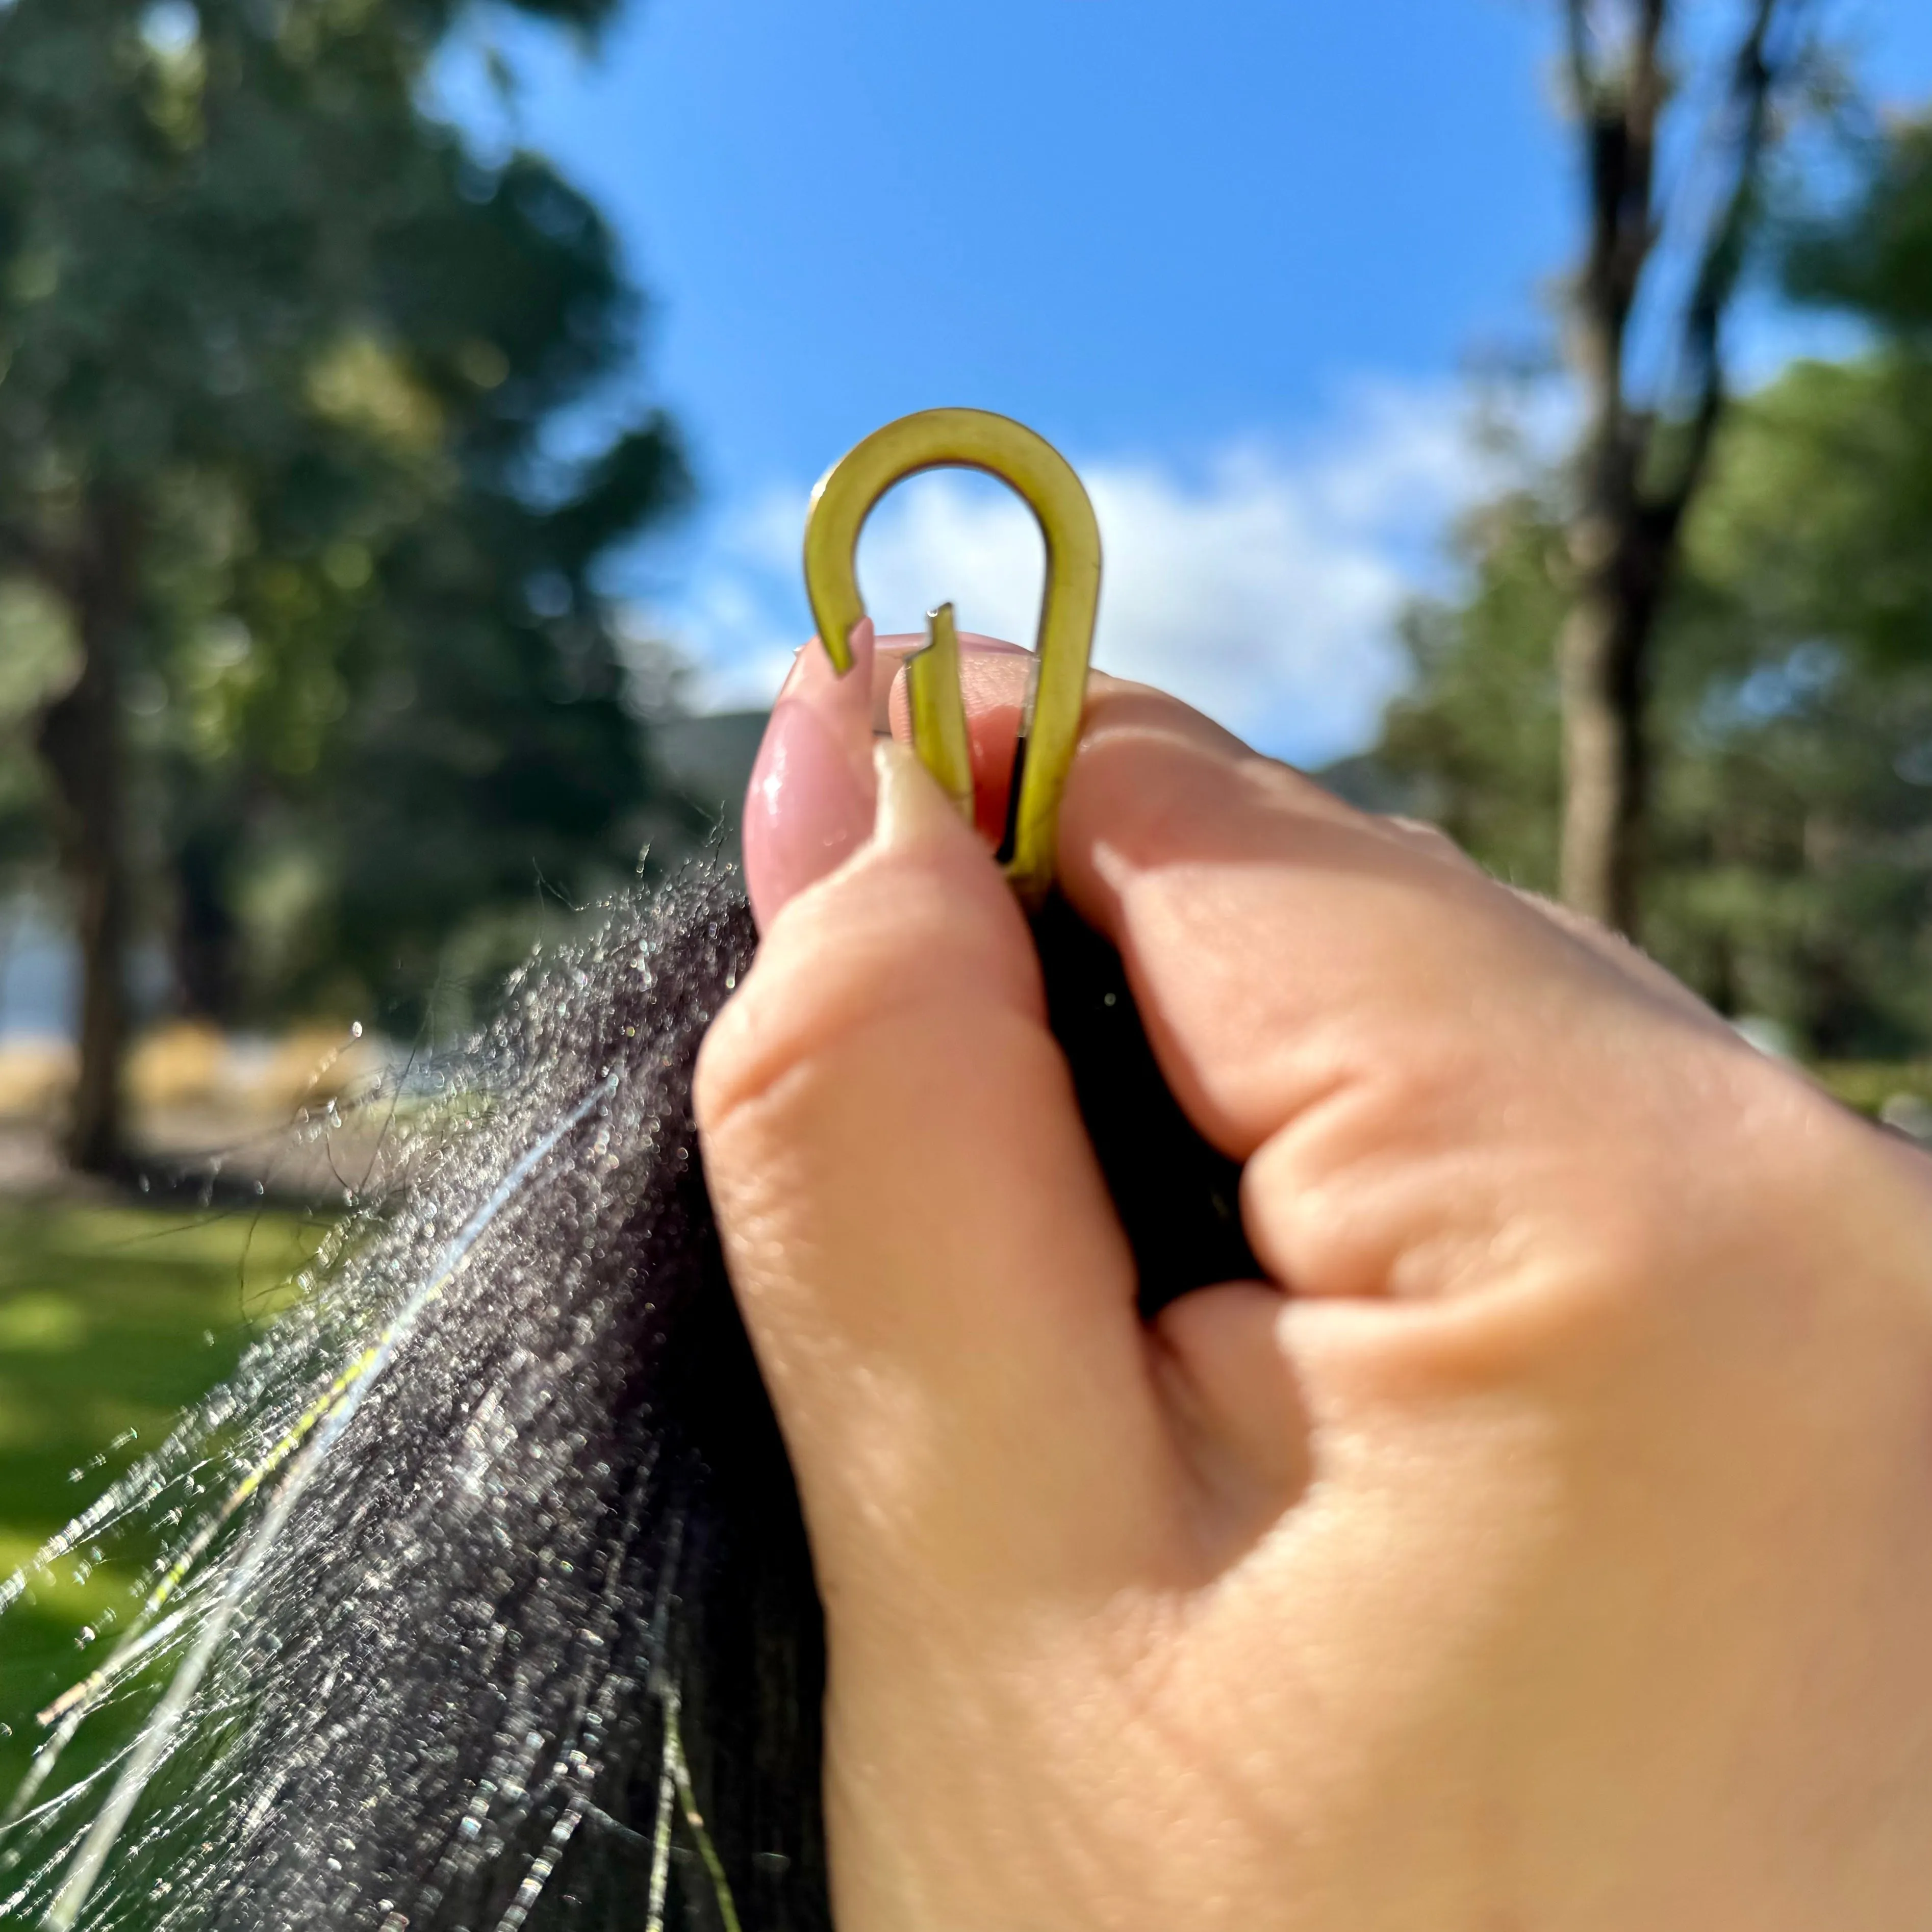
(939, 1293)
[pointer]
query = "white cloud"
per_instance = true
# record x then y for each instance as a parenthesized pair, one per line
(1262, 587)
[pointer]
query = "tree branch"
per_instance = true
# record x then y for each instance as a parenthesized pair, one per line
(1619, 113)
(1583, 78)
(1755, 76)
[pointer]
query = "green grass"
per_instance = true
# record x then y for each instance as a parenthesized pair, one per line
(1867, 1084)
(112, 1321)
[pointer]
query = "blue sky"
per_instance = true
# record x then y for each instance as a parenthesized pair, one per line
(1235, 259)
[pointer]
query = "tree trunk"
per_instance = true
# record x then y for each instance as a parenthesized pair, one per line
(1604, 663)
(1601, 652)
(1623, 534)
(1603, 765)
(80, 744)
(205, 937)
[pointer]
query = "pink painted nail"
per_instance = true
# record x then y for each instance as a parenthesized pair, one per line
(811, 799)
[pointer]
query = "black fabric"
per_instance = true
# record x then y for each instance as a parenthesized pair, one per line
(1178, 1197)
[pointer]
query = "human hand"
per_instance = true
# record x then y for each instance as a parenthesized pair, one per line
(1548, 1544)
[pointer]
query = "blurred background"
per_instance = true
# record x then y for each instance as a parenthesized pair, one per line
(1518, 412)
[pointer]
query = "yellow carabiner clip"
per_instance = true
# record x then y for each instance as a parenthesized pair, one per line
(1050, 723)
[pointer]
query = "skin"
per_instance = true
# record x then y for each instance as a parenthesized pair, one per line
(1546, 1543)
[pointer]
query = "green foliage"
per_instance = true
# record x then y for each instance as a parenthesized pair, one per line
(1800, 800)
(1476, 732)
(1792, 835)
(36, 658)
(1791, 839)
(251, 296)
(1872, 1087)
(1817, 524)
(1876, 260)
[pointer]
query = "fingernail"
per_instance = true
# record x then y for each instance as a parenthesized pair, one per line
(902, 641)
(810, 802)
(912, 809)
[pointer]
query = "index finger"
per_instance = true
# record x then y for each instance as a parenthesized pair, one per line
(1281, 944)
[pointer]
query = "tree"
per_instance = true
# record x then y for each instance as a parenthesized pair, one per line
(1791, 873)
(277, 360)
(1643, 455)
(421, 719)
